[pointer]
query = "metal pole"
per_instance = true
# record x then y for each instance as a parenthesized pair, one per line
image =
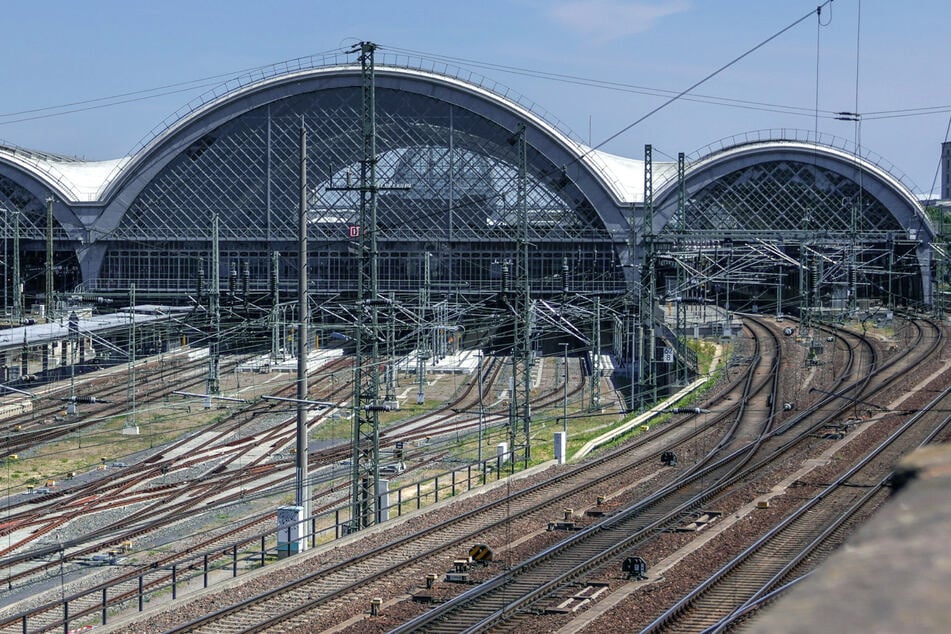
(680, 358)
(594, 403)
(17, 282)
(635, 354)
(131, 422)
(49, 259)
(891, 270)
(389, 398)
(564, 405)
(481, 408)
(420, 355)
(302, 492)
(645, 372)
(213, 382)
(6, 235)
(779, 291)
(275, 309)
(72, 341)
(520, 418)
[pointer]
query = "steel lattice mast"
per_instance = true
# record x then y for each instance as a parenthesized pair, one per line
(596, 366)
(647, 371)
(680, 359)
(366, 407)
(17, 282)
(423, 335)
(50, 306)
(213, 380)
(520, 414)
(302, 488)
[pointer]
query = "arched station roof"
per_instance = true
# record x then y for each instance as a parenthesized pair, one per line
(589, 171)
(96, 199)
(112, 185)
(804, 177)
(609, 181)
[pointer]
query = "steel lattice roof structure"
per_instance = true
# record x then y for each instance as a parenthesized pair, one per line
(447, 169)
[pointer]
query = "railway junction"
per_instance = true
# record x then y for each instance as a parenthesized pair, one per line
(301, 319)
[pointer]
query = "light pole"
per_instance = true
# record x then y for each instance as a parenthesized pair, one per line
(71, 341)
(481, 411)
(564, 406)
(856, 210)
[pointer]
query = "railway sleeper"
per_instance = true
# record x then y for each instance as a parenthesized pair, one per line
(701, 520)
(588, 593)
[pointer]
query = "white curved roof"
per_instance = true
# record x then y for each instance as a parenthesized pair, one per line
(86, 181)
(89, 177)
(75, 180)
(626, 175)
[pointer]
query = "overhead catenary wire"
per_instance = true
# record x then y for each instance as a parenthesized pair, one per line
(614, 85)
(164, 90)
(211, 81)
(708, 77)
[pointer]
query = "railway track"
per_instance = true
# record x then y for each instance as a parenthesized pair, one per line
(509, 597)
(404, 558)
(26, 431)
(846, 385)
(791, 548)
(142, 486)
(165, 504)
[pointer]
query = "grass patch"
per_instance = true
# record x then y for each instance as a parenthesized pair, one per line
(706, 351)
(102, 444)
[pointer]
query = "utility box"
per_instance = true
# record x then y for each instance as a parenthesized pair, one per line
(561, 447)
(384, 501)
(290, 531)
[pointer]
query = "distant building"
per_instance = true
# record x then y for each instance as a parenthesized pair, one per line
(946, 170)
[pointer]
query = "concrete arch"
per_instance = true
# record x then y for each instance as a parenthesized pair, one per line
(39, 185)
(875, 181)
(578, 165)
(897, 208)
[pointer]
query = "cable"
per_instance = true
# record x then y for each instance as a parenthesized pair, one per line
(205, 82)
(703, 80)
(611, 85)
(109, 105)
(118, 96)
(819, 25)
(815, 130)
(908, 112)
(858, 39)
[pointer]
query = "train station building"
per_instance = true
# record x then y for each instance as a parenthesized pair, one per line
(755, 210)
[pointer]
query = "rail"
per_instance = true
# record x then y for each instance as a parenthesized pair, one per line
(244, 555)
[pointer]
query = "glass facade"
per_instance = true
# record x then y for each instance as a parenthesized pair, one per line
(744, 230)
(778, 196)
(23, 212)
(447, 179)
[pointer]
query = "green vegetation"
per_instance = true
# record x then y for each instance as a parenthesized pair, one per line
(706, 351)
(102, 444)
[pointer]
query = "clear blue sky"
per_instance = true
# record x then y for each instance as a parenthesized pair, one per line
(58, 52)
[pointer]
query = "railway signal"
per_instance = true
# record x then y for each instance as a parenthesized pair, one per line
(635, 567)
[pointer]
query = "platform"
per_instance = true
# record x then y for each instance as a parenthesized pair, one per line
(264, 362)
(462, 362)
